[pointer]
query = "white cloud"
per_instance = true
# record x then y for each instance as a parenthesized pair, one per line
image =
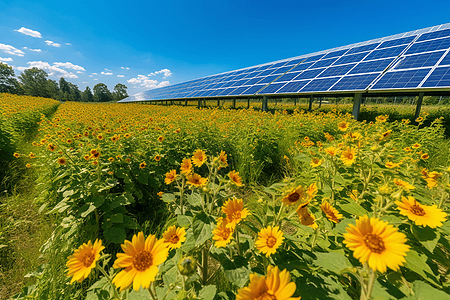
(6, 59)
(51, 70)
(95, 78)
(103, 73)
(79, 72)
(144, 81)
(166, 72)
(68, 65)
(120, 75)
(30, 32)
(51, 43)
(11, 50)
(91, 75)
(124, 68)
(85, 82)
(68, 44)
(107, 70)
(35, 50)
(94, 74)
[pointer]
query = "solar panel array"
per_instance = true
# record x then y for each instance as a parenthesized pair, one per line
(414, 60)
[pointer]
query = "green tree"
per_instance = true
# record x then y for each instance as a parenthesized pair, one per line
(75, 92)
(8, 82)
(101, 93)
(64, 85)
(87, 96)
(120, 92)
(53, 89)
(34, 82)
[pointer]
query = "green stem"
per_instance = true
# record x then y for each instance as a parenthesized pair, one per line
(151, 292)
(313, 243)
(204, 266)
(236, 232)
(370, 284)
(275, 221)
(116, 294)
(443, 198)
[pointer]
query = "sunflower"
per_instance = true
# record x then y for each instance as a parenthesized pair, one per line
(423, 215)
(376, 242)
(416, 145)
(348, 156)
(170, 176)
(174, 236)
(140, 260)
(199, 158)
(142, 165)
(16, 155)
(294, 196)
(223, 159)
(160, 138)
(157, 157)
(425, 156)
(222, 234)
(269, 239)
(315, 162)
(385, 135)
(186, 166)
(431, 178)
(391, 165)
(343, 126)
(235, 178)
(312, 191)
(235, 211)
(32, 155)
(305, 217)
(196, 180)
(381, 118)
(62, 161)
(403, 184)
(94, 153)
(277, 286)
(83, 260)
(28, 165)
(331, 213)
(333, 151)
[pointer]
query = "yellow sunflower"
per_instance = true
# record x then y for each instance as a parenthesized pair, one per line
(377, 243)
(140, 260)
(235, 211)
(186, 166)
(312, 191)
(170, 176)
(62, 161)
(333, 151)
(269, 239)
(315, 162)
(343, 126)
(277, 286)
(199, 158)
(331, 213)
(83, 260)
(196, 180)
(142, 165)
(223, 159)
(423, 215)
(403, 184)
(174, 236)
(222, 233)
(294, 196)
(235, 178)
(348, 156)
(305, 217)
(391, 165)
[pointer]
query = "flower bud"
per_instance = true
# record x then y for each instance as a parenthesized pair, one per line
(187, 265)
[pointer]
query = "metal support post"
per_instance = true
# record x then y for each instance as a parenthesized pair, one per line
(356, 105)
(248, 103)
(311, 100)
(199, 103)
(264, 103)
(418, 106)
(234, 103)
(218, 102)
(295, 101)
(185, 102)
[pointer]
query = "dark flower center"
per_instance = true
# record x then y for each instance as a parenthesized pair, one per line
(266, 296)
(87, 259)
(143, 260)
(174, 239)
(417, 210)
(271, 241)
(374, 243)
(294, 197)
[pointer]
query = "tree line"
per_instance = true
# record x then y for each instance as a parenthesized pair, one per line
(35, 82)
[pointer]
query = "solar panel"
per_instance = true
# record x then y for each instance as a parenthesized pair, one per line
(413, 60)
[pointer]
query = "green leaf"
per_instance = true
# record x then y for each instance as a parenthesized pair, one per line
(335, 262)
(143, 178)
(117, 218)
(86, 209)
(189, 243)
(184, 221)
(115, 234)
(423, 291)
(194, 199)
(417, 263)
(340, 227)
(354, 208)
(167, 197)
(208, 292)
(237, 271)
(202, 228)
(142, 294)
(427, 236)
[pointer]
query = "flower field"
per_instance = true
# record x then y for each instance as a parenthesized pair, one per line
(174, 202)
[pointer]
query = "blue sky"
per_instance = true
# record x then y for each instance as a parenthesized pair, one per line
(146, 44)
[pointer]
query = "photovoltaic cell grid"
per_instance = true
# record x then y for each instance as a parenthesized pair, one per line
(417, 59)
